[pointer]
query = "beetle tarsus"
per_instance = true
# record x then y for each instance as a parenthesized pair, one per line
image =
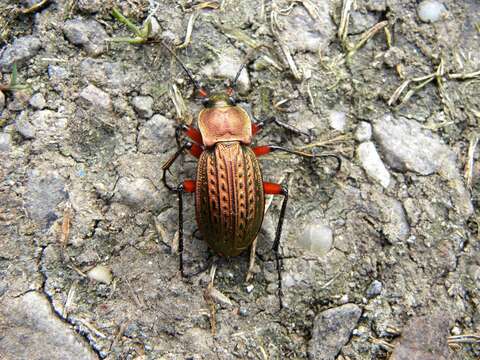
(180, 192)
(276, 244)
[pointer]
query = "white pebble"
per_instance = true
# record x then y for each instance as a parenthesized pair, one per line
(431, 10)
(249, 288)
(337, 120)
(364, 131)
(101, 274)
(317, 238)
(373, 164)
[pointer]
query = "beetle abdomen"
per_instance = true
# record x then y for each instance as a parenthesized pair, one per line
(229, 199)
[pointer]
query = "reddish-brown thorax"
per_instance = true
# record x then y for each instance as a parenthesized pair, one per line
(224, 123)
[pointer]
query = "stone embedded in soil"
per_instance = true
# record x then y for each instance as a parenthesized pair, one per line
(431, 10)
(363, 132)
(331, 331)
(392, 215)
(89, 6)
(35, 332)
(95, 98)
(154, 136)
(424, 338)
(374, 289)
(45, 190)
(24, 127)
(2, 100)
(337, 120)
(5, 142)
(86, 33)
(409, 147)
(304, 31)
(20, 51)
(373, 164)
(137, 192)
(37, 101)
(361, 21)
(317, 238)
(101, 273)
(143, 105)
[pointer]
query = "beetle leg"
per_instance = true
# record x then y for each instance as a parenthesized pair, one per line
(195, 150)
(277, 189)
(190, 132)
(188, 186)
(266, 149)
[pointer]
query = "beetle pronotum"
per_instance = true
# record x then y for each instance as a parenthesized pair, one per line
(229, 187)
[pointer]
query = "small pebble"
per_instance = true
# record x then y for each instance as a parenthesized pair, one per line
(90, 6)
(374, 289)
(143, 105)
(456, 331)
(317, 238)
(249, 288)
(87, 33)
(337, 120)
(243, 311)
(2, 100)
(101, 274)
(364, 131)
(20, 51)
(93, 97)
(37, 101)
(431, 10)
(344, 299)
(373, 164)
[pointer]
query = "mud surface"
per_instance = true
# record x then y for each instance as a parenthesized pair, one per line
(88, 238)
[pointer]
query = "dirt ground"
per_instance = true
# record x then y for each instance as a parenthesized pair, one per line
(380, 259)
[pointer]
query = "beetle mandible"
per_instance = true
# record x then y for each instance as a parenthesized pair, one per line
(229, 187)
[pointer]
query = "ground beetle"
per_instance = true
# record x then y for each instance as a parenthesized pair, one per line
(229, 187)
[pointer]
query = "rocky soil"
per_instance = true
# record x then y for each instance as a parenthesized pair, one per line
(380, 259)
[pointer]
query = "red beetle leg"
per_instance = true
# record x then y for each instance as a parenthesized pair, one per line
(273, 189)
(194, 134)
(262, 150)
(256, 127)
(189, 186)
(196, 150)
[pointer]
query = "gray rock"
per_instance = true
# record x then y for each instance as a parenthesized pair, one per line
(109, 74)
(408, 147)
(374, 289)
(93, 97)
(392, 216)
(35, 332)
(2, 100)
(424, 338)
(317, 238)
(331, 331)
(156, 135)
(376, 5)
(45, 190)
(303, 31)
(373, 164)
(431, 10)
(363, 132)
(337, 120)
(37, 101)
(57, 72)
(138, 192)
(20, 51)
(90, 6)
(143, 105)
(23, 126)
(86, 33)
(5, 142)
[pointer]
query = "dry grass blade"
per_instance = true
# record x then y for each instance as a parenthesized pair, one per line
(465, 76)
(367, 35)
(344, 20)
(464, 339)
(470, 160)
(66, 224)
(396, 94)
(291, 63)
(70, 298)
(188, 35)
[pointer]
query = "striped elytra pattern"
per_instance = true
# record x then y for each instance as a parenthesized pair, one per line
(229, 200)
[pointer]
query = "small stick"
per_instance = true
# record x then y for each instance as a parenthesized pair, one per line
(188, 35)
(470, 160)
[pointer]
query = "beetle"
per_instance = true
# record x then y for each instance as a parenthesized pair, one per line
(229, 187)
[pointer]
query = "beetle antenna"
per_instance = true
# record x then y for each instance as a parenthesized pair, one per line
(196, 84)
(234, 83)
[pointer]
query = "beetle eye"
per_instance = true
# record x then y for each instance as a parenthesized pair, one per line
(232, 101)
(206, 102)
